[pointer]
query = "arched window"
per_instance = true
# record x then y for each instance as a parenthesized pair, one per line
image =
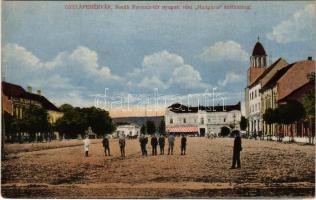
(171, 121)
(184, 120)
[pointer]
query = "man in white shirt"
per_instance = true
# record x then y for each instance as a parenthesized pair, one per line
(86, 144)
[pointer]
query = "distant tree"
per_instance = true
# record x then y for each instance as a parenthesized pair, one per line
(243, 123)
(224, 131)
(309, 106)
(270, 116)
(290, 113)
(99, 120)
(72, 123)
(151, 128)
(35, 120)
(162, 127)
(143, 129)
(66, 107)
(8, 126)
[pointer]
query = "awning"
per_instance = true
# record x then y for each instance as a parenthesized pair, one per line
(183, 129)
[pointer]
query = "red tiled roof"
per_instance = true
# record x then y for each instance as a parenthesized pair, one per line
(16, 91)
(275, 67)
(279, 63)
(294, 78)
(182, 129)
(12, 90)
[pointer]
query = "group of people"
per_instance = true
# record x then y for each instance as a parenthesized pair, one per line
(143, 140)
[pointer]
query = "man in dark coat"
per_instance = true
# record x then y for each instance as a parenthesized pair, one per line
(236, 151)
(143, 142)
(183, 144)
(106, 145)
(154, 143)
(161, 142)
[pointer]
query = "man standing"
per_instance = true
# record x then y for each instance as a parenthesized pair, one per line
(162, 144)
(143, 142)
(154, 143)
(183, 144)
(86, 145)
(122, 144)
(237, 149)
(171, 140)
(106, 145)
(141, 138)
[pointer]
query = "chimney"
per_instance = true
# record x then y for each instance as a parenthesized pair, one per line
(39, 92)
(29, 89)
(310, 58)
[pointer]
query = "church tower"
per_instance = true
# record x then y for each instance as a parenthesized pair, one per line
(258, 62)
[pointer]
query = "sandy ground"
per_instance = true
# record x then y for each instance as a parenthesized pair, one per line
(269, 169)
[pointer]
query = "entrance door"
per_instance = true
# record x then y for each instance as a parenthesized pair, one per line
(202, 132)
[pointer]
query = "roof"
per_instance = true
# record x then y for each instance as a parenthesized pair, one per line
(294, 78)
(12, 90)
(279, 73)
(17, 91)
(183, 129)
(279, 63)
(258, 50)
(128, 125)
(179, 108)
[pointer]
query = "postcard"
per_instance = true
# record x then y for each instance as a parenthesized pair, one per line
(158, 99)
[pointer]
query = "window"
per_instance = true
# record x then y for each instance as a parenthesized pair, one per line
(171, 121)
(224, 119)
(255, 93)
(184, 120)
(202, 120)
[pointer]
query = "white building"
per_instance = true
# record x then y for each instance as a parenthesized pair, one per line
(129, 130)
(201, 120)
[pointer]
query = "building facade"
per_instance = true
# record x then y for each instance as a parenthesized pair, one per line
(201, 120)
(270, 86)
(15, 100)
(129, 130)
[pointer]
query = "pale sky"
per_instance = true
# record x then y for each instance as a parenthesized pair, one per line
(74, 54)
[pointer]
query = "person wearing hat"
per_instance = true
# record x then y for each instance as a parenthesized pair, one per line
(154, 143)
(143, 143)
(106, 145)
(183, 144)
(161, 142)
(141, 138)
(171, 140)
(237, 149)
(122, 144)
